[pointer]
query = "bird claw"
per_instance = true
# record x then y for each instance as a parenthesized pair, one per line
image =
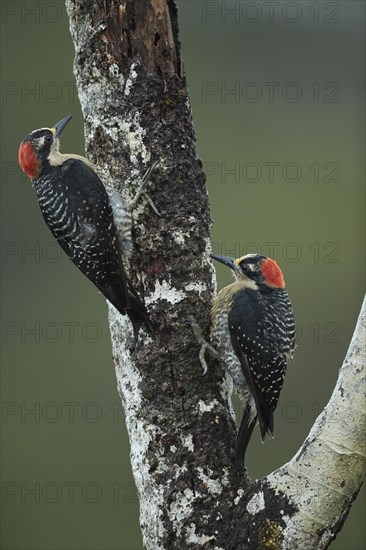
(202, 358)
(151, 202)
(204, 345)
(141, 189)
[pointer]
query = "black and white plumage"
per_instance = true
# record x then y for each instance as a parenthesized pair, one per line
(88, 220)
(254, 333)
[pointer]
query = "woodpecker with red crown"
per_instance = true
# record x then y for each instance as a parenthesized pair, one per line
(254, 334)
(89, 220)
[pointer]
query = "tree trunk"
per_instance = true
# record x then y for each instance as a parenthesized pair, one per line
(134, 98)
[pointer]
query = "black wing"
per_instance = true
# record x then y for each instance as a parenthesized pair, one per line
(92, 246)
(258, 341)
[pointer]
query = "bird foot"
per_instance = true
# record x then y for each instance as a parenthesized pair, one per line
(205, 346)
(142, 189)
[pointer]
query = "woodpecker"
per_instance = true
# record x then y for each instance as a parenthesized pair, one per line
(254, 334)
(89, 220)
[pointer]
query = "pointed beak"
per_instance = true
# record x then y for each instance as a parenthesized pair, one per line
(61, 125)
(226, 260)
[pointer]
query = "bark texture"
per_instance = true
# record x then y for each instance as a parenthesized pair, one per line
(134, 98)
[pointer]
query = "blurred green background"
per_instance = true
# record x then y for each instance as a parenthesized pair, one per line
(276, 92)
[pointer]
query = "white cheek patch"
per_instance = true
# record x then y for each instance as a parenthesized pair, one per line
(40, 142)
(55, 145)
(54, 156)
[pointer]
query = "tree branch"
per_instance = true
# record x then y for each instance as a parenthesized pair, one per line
(320, 483)
(325, 475)
(182, 430)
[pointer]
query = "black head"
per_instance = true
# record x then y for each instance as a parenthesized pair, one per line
(257, 268)
(36, 149)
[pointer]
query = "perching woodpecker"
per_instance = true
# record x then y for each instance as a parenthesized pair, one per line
(254, 333)
(89, 221)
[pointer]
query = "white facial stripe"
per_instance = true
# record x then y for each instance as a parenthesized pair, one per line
(239, 260)
(43, 129)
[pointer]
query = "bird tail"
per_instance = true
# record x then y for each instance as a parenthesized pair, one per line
(138, 314)
(266, 420)
(246, 428)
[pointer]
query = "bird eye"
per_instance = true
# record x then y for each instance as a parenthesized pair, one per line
(48, 139)
(246, 268)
